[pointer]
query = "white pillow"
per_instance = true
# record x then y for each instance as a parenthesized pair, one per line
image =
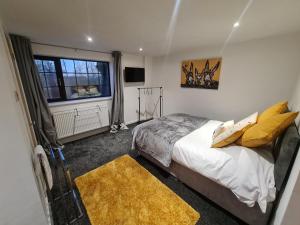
(231, 134)
(222, 127)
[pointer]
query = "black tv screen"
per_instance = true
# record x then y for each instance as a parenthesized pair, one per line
(134, 74)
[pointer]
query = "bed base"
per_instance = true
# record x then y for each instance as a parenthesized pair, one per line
(217, 193)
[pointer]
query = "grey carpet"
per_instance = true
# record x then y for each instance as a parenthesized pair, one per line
(90, 153)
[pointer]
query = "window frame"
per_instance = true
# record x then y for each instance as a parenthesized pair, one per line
(60, 77)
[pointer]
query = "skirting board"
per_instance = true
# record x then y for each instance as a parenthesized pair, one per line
(89, 133)
(131, 122)
(84, 135)
(136, 121)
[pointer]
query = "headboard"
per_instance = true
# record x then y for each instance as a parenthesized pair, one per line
(285, 153)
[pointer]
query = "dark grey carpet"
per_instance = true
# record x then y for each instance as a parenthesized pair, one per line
(90, 153)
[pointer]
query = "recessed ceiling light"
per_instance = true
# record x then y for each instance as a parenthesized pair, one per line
(89, 39)
(236, 24)
(140, 49)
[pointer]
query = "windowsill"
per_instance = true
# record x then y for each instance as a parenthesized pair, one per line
(79, 101)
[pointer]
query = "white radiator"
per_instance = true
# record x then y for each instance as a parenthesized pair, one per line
(79, 120)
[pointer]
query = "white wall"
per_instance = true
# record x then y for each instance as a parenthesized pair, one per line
(254, 75)
(130, 90)
(288, 210)
(20, 203)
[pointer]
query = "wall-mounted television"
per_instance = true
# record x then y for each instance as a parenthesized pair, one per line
(133, 74)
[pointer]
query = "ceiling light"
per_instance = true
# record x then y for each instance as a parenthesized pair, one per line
(236, 24)
(140, 49)
(89, 39)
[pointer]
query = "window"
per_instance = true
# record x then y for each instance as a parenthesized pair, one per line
(48, 78)
(68, 79)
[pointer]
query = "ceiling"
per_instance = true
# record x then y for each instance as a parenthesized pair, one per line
(158, 26)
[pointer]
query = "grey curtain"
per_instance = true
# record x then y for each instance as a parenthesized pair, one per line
(117, 116)
(38, 107)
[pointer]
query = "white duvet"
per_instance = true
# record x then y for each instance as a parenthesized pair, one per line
(246, 173)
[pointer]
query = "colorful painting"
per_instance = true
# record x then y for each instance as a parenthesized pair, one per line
(201, 73)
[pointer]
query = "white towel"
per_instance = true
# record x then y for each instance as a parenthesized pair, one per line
(40, 153)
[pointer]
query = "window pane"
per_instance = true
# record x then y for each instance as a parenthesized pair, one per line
(67, 65)
(71, 92)
(101, 67)
(93, 90)
(77, 92)
(105, 90)
(82, 91)
(80, 66)
(93, 79)
(104, 68)
(69, 79)
(39, 65)
(92, 67)
(42, 78)
(82, 79)
(51, 79)
(48, 66)
(53, 92)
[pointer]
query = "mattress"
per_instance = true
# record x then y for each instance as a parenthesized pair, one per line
(248, 173)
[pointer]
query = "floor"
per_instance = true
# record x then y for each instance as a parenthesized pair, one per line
(92, 152)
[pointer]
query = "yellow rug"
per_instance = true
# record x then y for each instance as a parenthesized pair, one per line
(122, 192)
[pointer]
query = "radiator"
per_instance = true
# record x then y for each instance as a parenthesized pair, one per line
(79, 120)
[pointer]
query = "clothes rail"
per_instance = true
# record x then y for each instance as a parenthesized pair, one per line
(160, 100)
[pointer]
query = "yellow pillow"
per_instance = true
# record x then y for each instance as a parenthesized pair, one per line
(276, 109)
(268, 130)
(232, 133)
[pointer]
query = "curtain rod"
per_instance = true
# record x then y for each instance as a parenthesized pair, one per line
(61, 46)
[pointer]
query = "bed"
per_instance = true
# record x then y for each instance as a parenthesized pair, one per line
(247, 183)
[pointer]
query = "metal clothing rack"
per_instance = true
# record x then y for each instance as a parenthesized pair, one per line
(160, 99)
(57, 160)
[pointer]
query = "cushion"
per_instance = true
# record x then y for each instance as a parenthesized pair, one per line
(267, 130)
(93, 90)
(222, 127)
(81, 91)
(231, 134)
(276, 109)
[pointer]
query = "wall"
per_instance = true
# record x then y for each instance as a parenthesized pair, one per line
(288, 210)
(130, 90)
(20, 203)
(254, 75)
